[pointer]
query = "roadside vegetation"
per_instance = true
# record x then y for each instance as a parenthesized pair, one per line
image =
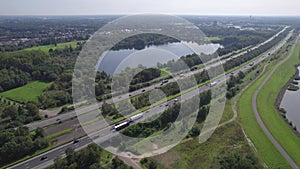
(92, 157)
(172, 88)
(16, 144)
(266, 150)
(266, 100)
(228, 158)
(38, 75)
(227, 148)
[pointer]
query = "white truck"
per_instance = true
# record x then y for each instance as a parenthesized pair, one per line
(136, 117)
(212, 84)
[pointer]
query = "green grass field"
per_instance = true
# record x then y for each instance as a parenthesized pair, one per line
(58, 46)
(266, 150)
(274, 122)
(60, 133)
(164, 72)
(266, 101)
(214, 38)
(29, 92)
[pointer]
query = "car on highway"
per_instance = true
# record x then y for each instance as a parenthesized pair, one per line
(43, 158)
(165, 81)
(75, 141)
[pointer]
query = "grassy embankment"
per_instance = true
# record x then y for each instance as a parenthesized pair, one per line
(271, 118)
(266, 100)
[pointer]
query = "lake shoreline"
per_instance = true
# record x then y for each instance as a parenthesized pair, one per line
(279, 100)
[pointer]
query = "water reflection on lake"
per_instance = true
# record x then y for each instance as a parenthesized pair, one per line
(118, 60)
(291, 103)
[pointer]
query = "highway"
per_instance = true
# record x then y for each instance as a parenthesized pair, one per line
(105, 133)
(71, 114)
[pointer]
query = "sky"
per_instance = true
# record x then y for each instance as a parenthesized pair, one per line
(197, 7)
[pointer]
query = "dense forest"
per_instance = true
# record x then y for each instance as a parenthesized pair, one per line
(21, 67)
(234, 39)
(15, 144)
(141, 41)
(17, 115)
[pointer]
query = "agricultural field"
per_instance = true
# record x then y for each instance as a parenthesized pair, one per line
(29, 92)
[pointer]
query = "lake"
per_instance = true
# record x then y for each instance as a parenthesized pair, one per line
(116, 61)
(291, 103)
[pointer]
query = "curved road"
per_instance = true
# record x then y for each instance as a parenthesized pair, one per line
(261, 123)
(103, 134)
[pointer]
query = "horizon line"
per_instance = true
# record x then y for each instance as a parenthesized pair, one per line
(176, 14)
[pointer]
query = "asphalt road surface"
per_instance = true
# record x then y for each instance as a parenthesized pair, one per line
(106, 134)
(68, 115)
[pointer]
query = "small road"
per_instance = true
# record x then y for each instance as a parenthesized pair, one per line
(261, 123)
(105, 131)
(84, 110)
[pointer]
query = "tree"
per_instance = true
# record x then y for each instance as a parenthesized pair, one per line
(59, 163)
(11, 112)
(32, 109)
(194, 132)
(70, 155)
(241, 75)
(238, 161)
(39, 132)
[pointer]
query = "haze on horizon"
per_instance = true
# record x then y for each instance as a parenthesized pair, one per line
(196, 7)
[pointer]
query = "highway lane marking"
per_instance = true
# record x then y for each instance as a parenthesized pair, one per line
(105, 128)
(67, 116)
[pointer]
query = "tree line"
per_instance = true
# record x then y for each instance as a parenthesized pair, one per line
(16, 115)
(89, 158)
(165, 120)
